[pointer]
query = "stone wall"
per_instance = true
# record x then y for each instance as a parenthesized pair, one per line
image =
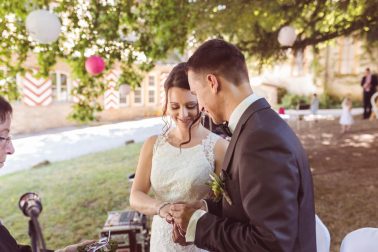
(36, 119)
(33, 119)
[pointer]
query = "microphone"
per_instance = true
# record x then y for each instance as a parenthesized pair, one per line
(30, 204)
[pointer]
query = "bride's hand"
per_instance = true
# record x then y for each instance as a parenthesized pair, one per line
(169, 219)
(164, 213)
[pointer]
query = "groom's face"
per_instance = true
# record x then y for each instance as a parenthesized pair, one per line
(207, 99)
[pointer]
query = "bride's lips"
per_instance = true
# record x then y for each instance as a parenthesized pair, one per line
(185, 121)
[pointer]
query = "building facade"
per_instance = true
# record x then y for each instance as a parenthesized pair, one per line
(46, 103)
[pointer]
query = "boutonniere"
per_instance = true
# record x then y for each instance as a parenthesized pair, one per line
(218, 187)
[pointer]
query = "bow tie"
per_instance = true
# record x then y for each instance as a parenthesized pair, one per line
(226, 129)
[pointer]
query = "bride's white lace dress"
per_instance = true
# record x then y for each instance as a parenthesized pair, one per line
(178, 175)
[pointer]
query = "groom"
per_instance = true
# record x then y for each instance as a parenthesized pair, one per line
(265, 170)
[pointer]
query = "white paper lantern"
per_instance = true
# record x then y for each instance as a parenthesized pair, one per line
(287, 36)
(129, 37)
(43, 26)
(124, 89)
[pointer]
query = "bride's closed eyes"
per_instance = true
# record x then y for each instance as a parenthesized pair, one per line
(189, 105)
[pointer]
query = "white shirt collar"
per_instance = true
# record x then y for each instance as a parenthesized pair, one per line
(240, 109)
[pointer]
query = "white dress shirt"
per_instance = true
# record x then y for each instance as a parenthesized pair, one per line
(234, 119)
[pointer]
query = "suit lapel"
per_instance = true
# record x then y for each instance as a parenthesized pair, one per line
(254, 107)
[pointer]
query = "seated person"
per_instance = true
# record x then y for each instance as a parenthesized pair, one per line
(7, 242)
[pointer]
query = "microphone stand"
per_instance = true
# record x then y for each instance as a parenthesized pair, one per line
(33, 236)
(36, 236)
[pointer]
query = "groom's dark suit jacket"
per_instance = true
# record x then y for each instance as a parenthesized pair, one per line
(270, 184)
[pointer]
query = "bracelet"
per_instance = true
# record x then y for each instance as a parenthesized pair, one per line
(161, 207)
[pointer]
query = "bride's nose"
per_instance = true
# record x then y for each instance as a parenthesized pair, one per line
(184, 112)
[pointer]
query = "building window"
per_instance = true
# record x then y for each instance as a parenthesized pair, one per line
(151, 81)
(346, 56)
(63, 87)
(138, 96)
(151, 90)
(151, 96)
(124, 94)
(122, 98)
(60, 87)
(54, 85)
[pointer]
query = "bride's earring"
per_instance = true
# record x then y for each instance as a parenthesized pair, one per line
(202, 117)
(167, 124)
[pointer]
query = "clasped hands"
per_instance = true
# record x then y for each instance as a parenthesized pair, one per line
(178, 214)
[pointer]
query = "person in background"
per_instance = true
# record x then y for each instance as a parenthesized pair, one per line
(346, 118)
(314, 104)
(7, 242)
(369, 84)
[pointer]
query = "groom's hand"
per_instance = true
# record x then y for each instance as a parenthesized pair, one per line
(182, 213)
(178, 236)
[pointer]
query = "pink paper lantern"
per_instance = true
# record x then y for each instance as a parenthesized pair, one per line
(281, 111)
(94, 65)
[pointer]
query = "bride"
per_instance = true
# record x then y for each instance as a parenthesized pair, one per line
(176, 164)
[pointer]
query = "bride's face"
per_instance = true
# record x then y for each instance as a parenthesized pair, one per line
(182, 106)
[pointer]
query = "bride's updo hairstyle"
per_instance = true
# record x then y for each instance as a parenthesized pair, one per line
(177, 78)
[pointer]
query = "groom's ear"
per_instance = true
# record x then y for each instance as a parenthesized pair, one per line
(213, 82)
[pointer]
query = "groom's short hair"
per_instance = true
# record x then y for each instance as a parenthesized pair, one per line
(220, 57)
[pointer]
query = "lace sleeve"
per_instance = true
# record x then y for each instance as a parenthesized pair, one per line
(208, 148)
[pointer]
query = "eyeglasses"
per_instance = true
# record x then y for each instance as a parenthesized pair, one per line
(5, 140)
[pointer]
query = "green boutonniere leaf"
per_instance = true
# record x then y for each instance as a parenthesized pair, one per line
(218, 187)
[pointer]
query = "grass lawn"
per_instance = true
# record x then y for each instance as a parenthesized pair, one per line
(76, 195)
